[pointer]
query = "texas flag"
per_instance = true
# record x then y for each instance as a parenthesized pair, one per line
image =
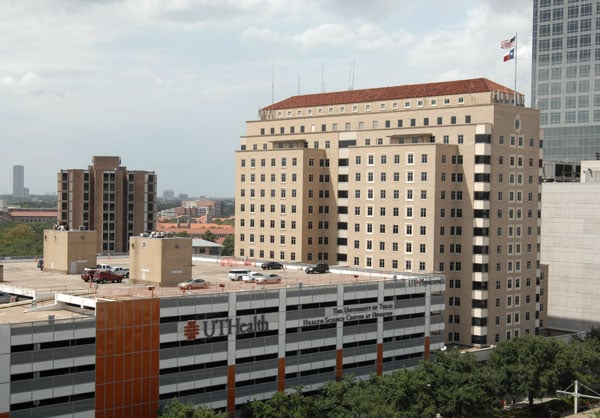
(510, 55)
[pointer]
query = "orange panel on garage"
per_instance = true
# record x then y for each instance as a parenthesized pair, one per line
(127, 346)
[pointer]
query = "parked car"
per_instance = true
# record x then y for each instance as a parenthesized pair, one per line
(122, 271)
(252, 276)
(272, 265)
(4, 297)
(88, 274)
(237, 274)
(105, 276)
(269, 278)
(104, 266)
(318, 268)
(194, 284)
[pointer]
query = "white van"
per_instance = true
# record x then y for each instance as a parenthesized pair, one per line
(236, 274)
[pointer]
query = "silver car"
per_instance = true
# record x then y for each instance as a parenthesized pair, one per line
(272, 278)
(252, 276)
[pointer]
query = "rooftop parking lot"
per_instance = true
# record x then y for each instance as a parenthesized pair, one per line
(24, 280)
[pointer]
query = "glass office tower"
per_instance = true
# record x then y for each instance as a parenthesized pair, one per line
(566, 77)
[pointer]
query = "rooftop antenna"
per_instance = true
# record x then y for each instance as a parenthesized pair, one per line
(322, 78)
(272, 82)
(299, 89)
(351, 76)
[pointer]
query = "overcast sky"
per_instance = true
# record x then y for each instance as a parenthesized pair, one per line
(168, 85)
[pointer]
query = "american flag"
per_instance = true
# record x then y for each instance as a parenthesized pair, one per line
(509, 43)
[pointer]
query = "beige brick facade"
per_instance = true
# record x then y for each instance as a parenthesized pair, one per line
(69, 251)
(435, 177)
(160, 261)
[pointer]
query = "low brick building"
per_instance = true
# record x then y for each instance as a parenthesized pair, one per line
(69, 252)
(160, 261)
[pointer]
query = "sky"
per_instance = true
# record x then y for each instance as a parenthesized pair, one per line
(168, 85)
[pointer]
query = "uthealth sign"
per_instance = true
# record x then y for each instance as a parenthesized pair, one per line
(193, 329)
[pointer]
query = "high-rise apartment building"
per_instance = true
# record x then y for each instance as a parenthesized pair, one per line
(566, 77)
(19, 181)
(108, 198)
(437, 177)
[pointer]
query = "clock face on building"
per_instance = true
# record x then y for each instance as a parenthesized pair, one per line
(517, 123)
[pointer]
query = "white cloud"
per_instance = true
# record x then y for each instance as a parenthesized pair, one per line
(325, 35)
(364, 37)
(264, 35)
(29, 83)
(374, 37)
(150, 67)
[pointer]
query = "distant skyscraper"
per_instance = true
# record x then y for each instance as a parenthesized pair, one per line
(19, 181)
(566, 77)
(108, 198)
(168, 195)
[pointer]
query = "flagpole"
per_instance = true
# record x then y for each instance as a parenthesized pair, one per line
(516, 43)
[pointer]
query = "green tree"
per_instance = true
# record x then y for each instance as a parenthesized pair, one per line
(177, 409)
(525, 366)
(452, 384)
(162, 205)
(284, 405)
(221, 221)
(19, 239)
(335, 399)
(459, 385)
(579, 360)
(228, 245)
(182, 234)
(209, 236)
(363, 399)
(593, 334)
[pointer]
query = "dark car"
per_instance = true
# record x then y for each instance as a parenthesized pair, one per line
(317, 268)
(5, 297)
(272, 265)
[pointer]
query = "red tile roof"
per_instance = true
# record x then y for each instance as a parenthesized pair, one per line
(33, 214)
(195, 228)
(444, 88)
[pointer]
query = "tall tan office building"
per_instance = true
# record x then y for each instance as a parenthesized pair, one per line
(431, 177)
(108, 198)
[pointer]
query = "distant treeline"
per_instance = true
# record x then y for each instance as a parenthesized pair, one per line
(22, 239)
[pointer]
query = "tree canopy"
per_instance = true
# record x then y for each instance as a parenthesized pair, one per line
(209, 236)
(20, 239)
(228, 245)
(525, 366)
(177, 409)
(452, 384)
